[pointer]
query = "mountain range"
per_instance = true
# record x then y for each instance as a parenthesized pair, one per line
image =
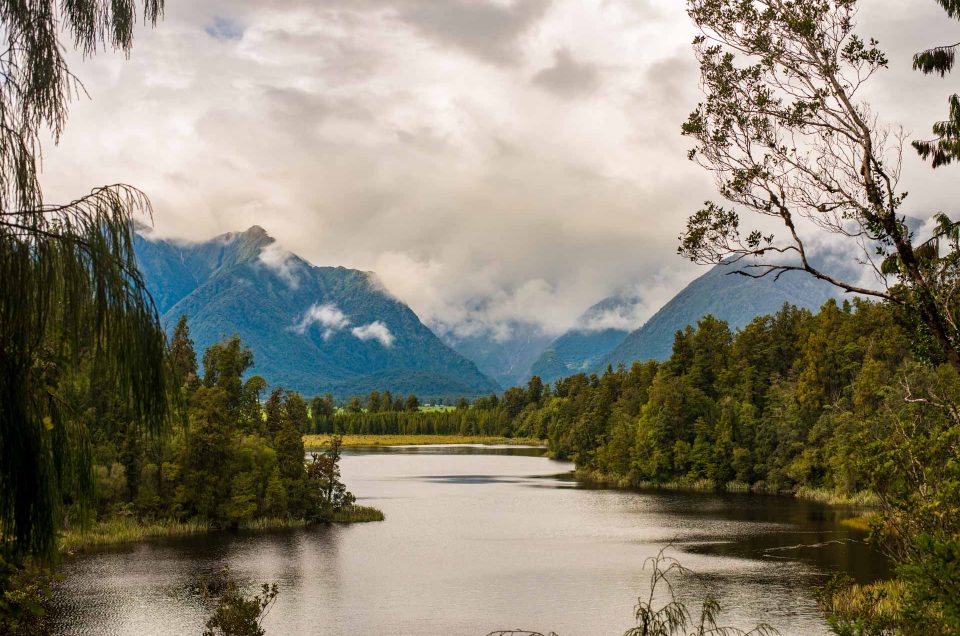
(312, 329)
(724, 294)
(332, 329)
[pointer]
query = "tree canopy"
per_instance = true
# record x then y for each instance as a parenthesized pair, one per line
(71, 293)
(788, 139)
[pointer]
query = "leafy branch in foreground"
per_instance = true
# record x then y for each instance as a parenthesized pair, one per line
(788, 139)
(944, 149)
(236, 614)
(673, 617)
(71, 293)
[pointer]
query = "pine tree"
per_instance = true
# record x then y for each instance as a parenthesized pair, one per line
(183, 355)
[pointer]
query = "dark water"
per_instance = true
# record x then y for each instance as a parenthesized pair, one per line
(477, 540)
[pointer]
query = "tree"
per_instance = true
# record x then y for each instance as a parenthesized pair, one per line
(223, 367)
(412, 404)
(787, 139)
(945, 147)
(323, 473)
(236, 614)
(182, 354)
(71, 289)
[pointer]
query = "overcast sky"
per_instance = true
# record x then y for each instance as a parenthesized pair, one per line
(490, 160)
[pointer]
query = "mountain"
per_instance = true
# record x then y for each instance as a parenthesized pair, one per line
(506, 356)
(312, 329)
(730, 297)
(600, 329)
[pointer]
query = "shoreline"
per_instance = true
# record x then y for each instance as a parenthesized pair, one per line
(118, 531)
(864, 500)
(313, 442)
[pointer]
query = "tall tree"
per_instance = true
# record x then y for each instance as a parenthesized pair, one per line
(786, 137)
(945, 147)
(183, 356)
(70, 288)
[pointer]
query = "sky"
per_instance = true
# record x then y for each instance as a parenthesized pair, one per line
(493, 161)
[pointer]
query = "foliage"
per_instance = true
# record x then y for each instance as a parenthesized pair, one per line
(944, 149)
(865, 610)
(25, 600)
(671, 617)
(236, 614)
(786, 138)
(324, 475)
(71, 292)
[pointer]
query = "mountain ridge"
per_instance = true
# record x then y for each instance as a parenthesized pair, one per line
(312, 329)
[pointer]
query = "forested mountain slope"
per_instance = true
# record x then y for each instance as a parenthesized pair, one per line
(729, 297)
(311, 329)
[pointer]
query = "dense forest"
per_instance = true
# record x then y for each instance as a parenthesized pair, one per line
(852, 399)
(238, 457)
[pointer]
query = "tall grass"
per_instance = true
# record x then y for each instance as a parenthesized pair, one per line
(118, 530)
(121, 530)
(357, 514)
(317, 441)
(862, 499)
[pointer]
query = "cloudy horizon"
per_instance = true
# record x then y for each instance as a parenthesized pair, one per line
(493, 162)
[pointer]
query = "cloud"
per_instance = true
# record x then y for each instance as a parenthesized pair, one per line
(327, 316)
(374, 331)
(567, 77)
(283, 263)
(488, 30)
(407, 137)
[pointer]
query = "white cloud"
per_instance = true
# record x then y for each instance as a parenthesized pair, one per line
(374, 331)
(393, 136)
(327, 316)
(283, 263)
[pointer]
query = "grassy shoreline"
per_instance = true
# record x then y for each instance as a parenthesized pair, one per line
(354, 441)
(859, 500)
(125, 530)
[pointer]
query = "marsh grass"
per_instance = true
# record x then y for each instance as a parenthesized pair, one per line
(121, 530)
(118, 530)
(357, 514)
(318, 441)
(821, 495)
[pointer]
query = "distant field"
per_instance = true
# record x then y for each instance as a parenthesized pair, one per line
(437, 409)
(316, 441)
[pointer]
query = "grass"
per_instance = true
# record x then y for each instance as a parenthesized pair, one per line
(821, 495)
(316, 441)
(117, 530)
(357, 514)
(861, 522)
(863, 499)
(120, 530)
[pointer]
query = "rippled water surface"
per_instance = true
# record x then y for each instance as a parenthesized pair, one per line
(476, 540)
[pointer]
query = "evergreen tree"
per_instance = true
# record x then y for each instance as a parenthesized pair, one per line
(182, 354)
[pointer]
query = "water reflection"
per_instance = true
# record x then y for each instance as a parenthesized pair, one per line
(476, 540)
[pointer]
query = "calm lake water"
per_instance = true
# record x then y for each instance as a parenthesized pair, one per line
(477, 540)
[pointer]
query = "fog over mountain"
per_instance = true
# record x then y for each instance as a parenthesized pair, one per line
(497, 163)
(311, 329)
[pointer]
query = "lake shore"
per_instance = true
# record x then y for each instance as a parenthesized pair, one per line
(358, 441)
(125, 530)
(820, 495)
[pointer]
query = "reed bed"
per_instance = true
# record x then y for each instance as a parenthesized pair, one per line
(319, 441)
(862, 499)
(357, 514)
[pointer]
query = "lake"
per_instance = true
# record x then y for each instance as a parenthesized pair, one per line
(480, 539)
